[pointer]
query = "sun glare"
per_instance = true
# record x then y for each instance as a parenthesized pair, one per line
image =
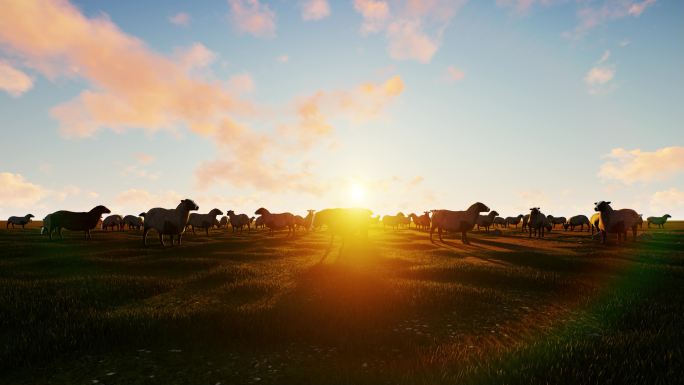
(357, 192)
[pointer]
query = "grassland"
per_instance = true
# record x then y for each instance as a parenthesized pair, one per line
(395, 309)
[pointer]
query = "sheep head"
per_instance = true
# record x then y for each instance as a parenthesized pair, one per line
(667, 216)
(493, 213)
(142, 214)
(30, 216)
(535, 210)
(601, 205)
(216, 212)
(479, 207)
(100, 210)
(520, 216)
(261, 211)
(230, 213)
(189, 204)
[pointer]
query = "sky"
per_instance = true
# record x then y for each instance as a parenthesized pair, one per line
(394, 105)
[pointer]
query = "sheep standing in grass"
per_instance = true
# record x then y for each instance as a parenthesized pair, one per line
(514, 220)
(113, 221)
(277, 221)
(556, 220)
(422, 222)
(223, 223)
(658, 221)
(486, 221)
(259, 222)
(500, 221)
(616, 221)
(169, 221)
(457, 221)
(238, 221)
(525, 221)
(537, 222)
(343, 222)
(640, 222)
(392, 221)
(134, 222)
(308, 220)
(19, 221)
(594, 222)
(75, 221)
(204, 221)
(577, 220)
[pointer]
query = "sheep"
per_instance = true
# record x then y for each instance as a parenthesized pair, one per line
(462, 221)
(277, 221)
(168, 221)
(46, 225)
(343, 222)
(538, 222)
(594, 223)
(525, 221)
(514, 220)
(133, 221)
(577, 220)
(640, 221)
(486, 220)
(223, 223)
(19, 221)
(403, 220)
(500, 221)
(75, 221)
(658, 221)
(113, 221)
(556, 220)
(259, 222)
(203, 221)
(308, 220)
(616, 221)
(238, 221)
(422, 222)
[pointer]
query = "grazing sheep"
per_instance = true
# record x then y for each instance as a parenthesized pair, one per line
(458, 221)
(277, 221)
(203, 221)
(134, 222)
(658, 221)
(343, 222)
(556, 220)
(538, 222)
(19, 221)
(422, 222)
(75, 221)
(500, 221)
(46, 225)
(577, 220)
(238, 221)
(514, 220)
(169, 221)
(113, 221)
(616, 221)
(486, 221)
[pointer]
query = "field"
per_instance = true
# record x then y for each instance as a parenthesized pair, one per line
(395, 309)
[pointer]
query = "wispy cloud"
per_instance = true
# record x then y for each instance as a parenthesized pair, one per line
(181, 18)
(454, 74)
(594, 14)
(253, 17)
(315, 9)
(600, 75)
(283, 58)
(14, 81)
(630, 166)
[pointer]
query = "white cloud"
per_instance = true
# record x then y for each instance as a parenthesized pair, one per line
(250, 16)
(13, 81)
(667, 201)
(181, 18)
(315, 9)
(599, 75)
(629, 166)
(454, 74)
(17, 192)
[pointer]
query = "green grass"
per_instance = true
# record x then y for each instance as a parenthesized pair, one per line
(395, 309)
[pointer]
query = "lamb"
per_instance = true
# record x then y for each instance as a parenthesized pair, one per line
(238, 221)
(422, 222)
(500, 221)
(556, 220)
(658, 221)
(277, 221)
(538, 222)
(616, 221)
(168, 221)
(75, 221)
(203, 221)
(514, 220)
(134, 222)
(577, 220)
(19, 221)
(343, 222)
(460, 221)
(113, 221)
(486, 221)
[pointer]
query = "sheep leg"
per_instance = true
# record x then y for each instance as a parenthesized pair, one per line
(439, 232)
(161, 239)
(145, 231)
(180, 237)
(207, 229)
(464, 238)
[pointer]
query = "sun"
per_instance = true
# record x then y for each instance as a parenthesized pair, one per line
(357, 192)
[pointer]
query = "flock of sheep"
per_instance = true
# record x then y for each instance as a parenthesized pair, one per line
(340, 221)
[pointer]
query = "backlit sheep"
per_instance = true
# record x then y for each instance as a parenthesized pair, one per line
(556, 220)
(19, 221)
(277, 221)
(422, 222)
(500, 221)
(169, 221)
(616, 221)
(134, 222)
(238, 221)
(486, 221)
(514, 220)
(75, 221)
(343, 222)
(538, 222)
(457, 221)
(204, 221)
(113, 221)
(658, 221)
(525, 221)
(577, 220)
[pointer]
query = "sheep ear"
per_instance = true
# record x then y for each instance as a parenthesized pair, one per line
(608, 202)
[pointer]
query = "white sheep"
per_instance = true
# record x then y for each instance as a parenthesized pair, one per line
(514, 220)
(658, 221)
(113, 221)
(204, 221)
(169, 221)
(577, 220)
(133, 221)
(486, 221)
(19, 221)
(277, 221)
(238, 221)
(616, 221)
(458, 221)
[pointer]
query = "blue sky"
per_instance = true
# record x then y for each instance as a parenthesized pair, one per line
(419, 105)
